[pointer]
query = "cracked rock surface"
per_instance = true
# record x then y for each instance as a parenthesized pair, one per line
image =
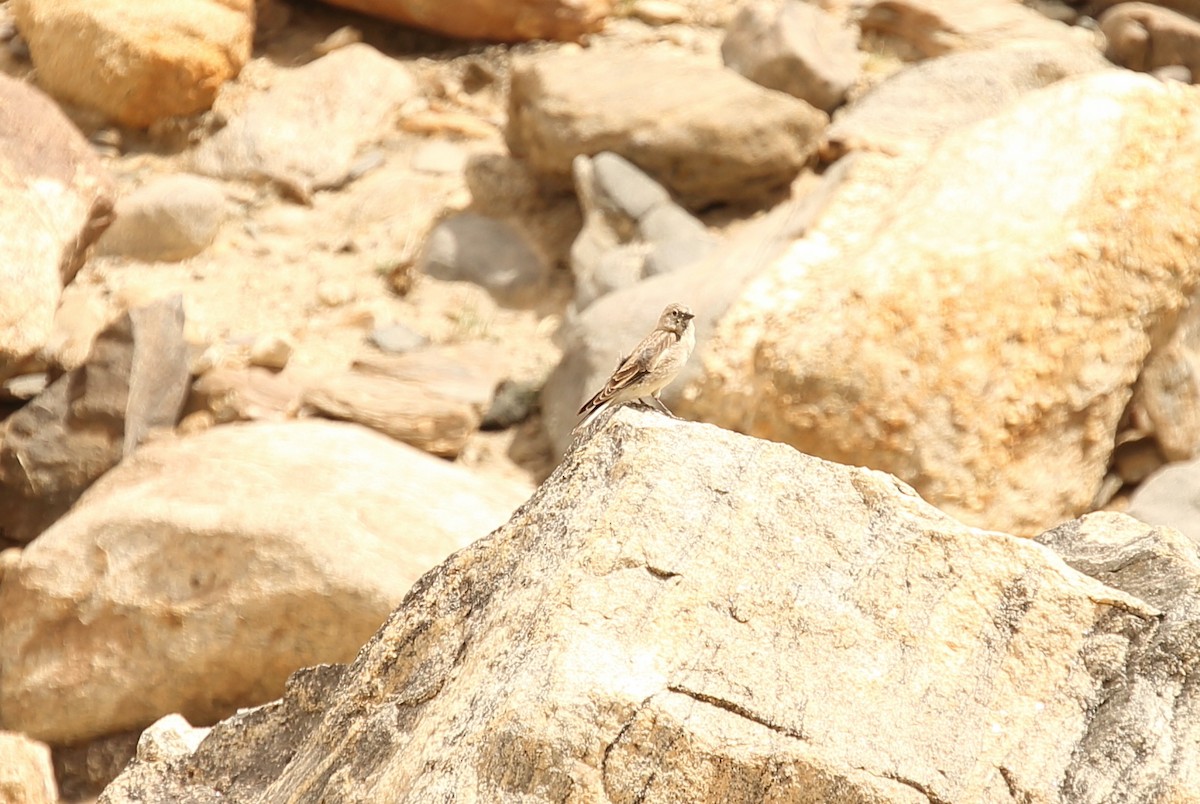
(681, 613)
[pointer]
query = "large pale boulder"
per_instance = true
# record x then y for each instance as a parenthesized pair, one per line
(509, 21)
(55, 200)
(977, 332)
(137, 62)
(704, 132)
(200, 572)
(306, 130)
(682, 613)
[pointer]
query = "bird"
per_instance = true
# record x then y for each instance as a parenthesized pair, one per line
(652, 364)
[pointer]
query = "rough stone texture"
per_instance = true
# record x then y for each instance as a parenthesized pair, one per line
(1171, 497)
(509, 21)
(682, 613)
(632, 229)
(705, 133)
(134, 382)
(55, 200)
(306, 131)
(168, 219)
(936, 27)
(26, 775)
(245, 394)
(979, 334)
(1143, 36)
(1191, 8)
(491, 253)
(137, 62)
(433, 399)
(1143, 742)
(595, 340)
(923, 102)
(199, 573)
(85, 769)
(796, 48)
(1166, 401)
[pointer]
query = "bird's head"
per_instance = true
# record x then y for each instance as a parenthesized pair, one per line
(675, 318)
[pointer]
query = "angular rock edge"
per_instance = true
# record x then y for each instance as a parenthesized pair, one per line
(683, 613)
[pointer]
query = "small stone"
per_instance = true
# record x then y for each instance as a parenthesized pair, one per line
(26, 386)
(335, 294)
(272, 351)
(397, 339)
(513, 403)
(658, 12)
(169, 219)
(343, 37)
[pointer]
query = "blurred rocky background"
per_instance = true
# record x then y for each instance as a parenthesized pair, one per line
(298, 301)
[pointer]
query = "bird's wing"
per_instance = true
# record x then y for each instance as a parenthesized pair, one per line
(641, 361)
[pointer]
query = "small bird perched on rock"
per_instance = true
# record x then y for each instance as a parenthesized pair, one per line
(652, 364)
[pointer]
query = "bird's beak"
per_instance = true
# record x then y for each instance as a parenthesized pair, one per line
(689, 316)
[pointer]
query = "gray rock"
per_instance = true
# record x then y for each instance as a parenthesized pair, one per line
(796, 48)
(170, 218)
(632, 229)
(306, 131)
(397, 339)
(1143, 741)
(705, 133)
(491, 253)
(1171, 497)
(134, 382)
(513, 403)
(626, 186)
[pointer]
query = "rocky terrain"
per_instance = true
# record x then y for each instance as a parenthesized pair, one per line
(300, 300)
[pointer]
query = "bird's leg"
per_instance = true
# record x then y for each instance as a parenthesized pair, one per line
(659, 404)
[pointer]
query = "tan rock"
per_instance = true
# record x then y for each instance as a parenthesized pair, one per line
(137, 62)
(682, 613)
(169, 218)
(979, 333)
(307, 129)
(1143, 36)
(199, 573)
(665, 113)
(433, 399)
(514, 20)
(235, 394)
(935, 27)
(794, 47)
(55, 200)
(26, 773)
